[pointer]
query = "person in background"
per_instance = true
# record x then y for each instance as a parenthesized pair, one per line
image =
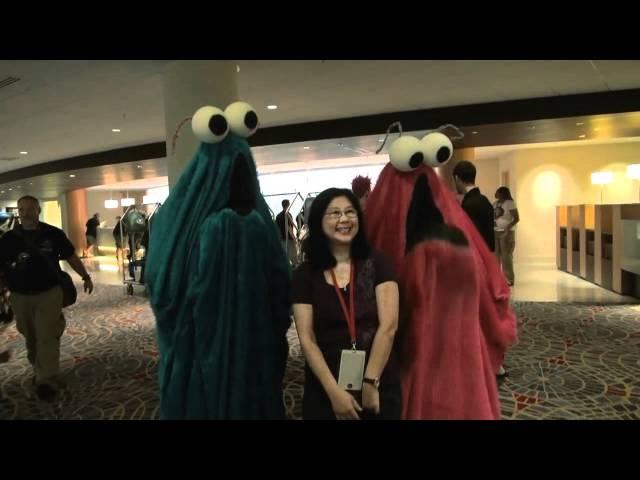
(5, 321)
(118, 236)
(479, 209)
(506, 219)
(92, 234)
(345, 296)
(474, 203)
(29, 260)
(285, 228)
(361, 188)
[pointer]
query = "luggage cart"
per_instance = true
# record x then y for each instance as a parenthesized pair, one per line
(133, 269)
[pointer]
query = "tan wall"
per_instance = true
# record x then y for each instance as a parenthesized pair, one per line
(51, 213)
(543, 178)
(488, 176)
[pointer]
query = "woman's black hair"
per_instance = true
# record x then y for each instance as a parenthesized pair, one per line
(316, 245)
(504, 192)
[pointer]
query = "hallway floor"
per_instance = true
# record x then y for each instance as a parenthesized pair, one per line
(571, 362)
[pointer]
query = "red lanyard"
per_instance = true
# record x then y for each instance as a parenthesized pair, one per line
(349, 315)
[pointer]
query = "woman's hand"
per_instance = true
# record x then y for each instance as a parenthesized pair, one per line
(344, 405)
(370, 398)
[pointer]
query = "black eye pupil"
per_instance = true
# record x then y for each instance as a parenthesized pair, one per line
(443, 154)
(251, 120)
(416, 159)
(218, 124)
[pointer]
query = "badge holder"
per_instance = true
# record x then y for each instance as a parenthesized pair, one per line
(351, 370)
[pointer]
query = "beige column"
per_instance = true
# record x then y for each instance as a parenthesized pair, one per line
(77, 216)
(189, 85)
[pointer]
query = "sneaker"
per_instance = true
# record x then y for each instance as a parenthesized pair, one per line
(45, 392)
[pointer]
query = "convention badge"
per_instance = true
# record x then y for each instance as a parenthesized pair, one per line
(351, 369)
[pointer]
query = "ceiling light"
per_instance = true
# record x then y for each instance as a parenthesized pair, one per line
(72, 176)
(306, 148)
(10, 189)
(381, 140)
(238, 68)
(24, 153)
(127, 202)
(111, 204)
(532, 127)
(474, 133)
(272, 107)
(582, 136)
(579, 124)
(31, 184)
(139, 166)
(115, 130)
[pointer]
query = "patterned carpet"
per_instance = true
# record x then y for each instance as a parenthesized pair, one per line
(571, 362)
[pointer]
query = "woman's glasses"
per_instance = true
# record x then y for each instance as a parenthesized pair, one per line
(336, 214)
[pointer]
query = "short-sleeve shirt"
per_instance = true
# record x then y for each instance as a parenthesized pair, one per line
(282, 228)
(26, 271)
(503, 214)
(309, 286)
(92, 227)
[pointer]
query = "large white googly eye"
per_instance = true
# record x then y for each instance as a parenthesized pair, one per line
(437, 149)
(209, 125)
(406, 153)
(242, 119)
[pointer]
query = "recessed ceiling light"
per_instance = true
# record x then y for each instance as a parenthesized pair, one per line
(582, 136)
(272, 107)
(139, 166)
(72, 176)
(578, 124)
(306, 148)
(31, 184)
(24, 153)
(381, 140)
(474, 133)
(532, 127)
(116, 130)
(10, 189)
(238, 68)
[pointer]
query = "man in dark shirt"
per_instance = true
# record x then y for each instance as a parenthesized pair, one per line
(477, 206)
(479, 209)
(29, 260)
(285, 228)
(92, 233)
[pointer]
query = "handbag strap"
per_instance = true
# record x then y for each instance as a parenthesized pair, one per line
(34, 249)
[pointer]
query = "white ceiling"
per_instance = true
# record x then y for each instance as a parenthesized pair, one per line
(61, 109)
(134, 185)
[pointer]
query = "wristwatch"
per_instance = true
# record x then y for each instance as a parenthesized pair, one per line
(372, 381)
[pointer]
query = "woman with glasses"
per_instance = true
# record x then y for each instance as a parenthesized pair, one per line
(345, 305)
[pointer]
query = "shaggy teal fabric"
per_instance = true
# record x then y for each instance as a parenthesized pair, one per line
(218, 283)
